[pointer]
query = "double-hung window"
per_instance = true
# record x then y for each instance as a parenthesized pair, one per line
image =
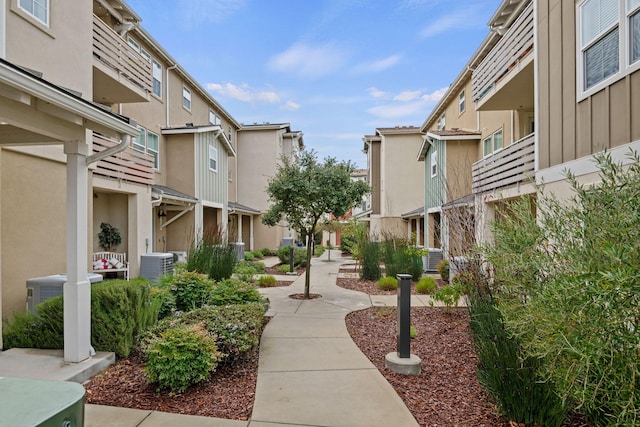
(39, 9)
(186, 98)
(213, 118)
(608, 42)
(140, 141)
(156, 69)
(434, 164)
(148, 142)
(442, 121)
(461, 102)
(213, 159)
(492, 143)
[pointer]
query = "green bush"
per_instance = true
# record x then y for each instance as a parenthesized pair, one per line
(319, 250)
(388, 283)
(266, 251)
(426, 285)
(181, 357)
(448, 295)
(267, 281)
(249, 256)
(413, 333)
(120, 311)
(370, 261)
(443, 269)
(236, 328)
(299, 255)
(212, 255)
(509, 377)
(257, 254)
(246, 273)
(165, 300)
(233, 291)
(190, 290)
(466, 280)
(400, 257)
(284, 268)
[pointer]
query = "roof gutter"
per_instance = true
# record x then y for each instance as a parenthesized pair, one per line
(96, 157)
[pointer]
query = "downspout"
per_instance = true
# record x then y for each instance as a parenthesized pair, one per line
(96, 157)
(173, 67)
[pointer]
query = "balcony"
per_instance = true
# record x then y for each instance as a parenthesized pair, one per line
(504, 79)
(120, 73)
(128, 165)
(511, 165)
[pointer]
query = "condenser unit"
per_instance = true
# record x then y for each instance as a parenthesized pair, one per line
(40, 289)
(155, 264)
(431, 260)
(179, 256)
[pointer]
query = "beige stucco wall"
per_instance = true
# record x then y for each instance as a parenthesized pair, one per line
(63, 52)
(33, 224)
(466, 119)
(373, 158)
(461, 154)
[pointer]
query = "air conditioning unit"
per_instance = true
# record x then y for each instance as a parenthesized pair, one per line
(179, 256)
(431, 260)
(156, 264)
(40, 289)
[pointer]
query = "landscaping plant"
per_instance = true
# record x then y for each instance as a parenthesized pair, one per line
(370, 260)
(426, 285)
(448, 295)
(231, 291)
(267, 281)
(246, 273)
(190, 290)
(388, 283)
(212, 255)
(443, 269)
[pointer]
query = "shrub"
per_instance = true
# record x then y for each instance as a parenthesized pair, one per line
(413, 333)
(190, 290)
(181, 357)
(267, 281)
(347, 242)
(42, 331)
(402, 258)
(249, 256)
(370, 261)
(212, 255)
(426, 285)
(236, 328)
(232, 291)
(319, 250)
(299, 255)
(246, 273)
(266, 251)
(466, 280)
(284, 268)
(448, 295)
(443, 269)
(257, 254)
(509, 377)
(388, 283)
(165, 300)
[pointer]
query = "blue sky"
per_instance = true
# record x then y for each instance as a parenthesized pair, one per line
(335, 69)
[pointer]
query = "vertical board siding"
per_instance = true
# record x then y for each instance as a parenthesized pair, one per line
(619, 115)
(434, 187)
(556, 83)
(598, 121)
(211, 186)
(543, 83)
(568, 76)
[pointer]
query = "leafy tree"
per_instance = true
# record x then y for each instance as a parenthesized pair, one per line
(303, 192)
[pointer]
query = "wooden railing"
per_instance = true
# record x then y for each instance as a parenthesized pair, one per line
(128, 165)
(506, 55)
(511, 165)
(114, 51)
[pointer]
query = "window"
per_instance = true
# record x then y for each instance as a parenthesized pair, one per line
(608, 41)
(213, 158)
(39, 9)
(140, 141)
(213, 118)
(157, 78)
(441, 123)
(146, 55)
(461, 102)
(492, 143)
(434, 164)
(153, 148)
(134, 44)
(186, 98)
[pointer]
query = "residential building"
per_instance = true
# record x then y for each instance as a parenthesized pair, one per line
(396, 180)
(261, 148)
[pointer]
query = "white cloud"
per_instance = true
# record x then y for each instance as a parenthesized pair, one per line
(198, 11)
(379, 65)
(290, 106)
(455, 20)
(244, 93)
(376, 93)
(407, 95)
(436, 95)
(309, 61)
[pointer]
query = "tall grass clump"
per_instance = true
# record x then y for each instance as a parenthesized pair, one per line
(400, 257)
(370, 258)
(212, 255)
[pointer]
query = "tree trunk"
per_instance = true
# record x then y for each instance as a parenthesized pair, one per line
(307, 278)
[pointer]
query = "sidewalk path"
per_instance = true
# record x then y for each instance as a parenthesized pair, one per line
(311, 373)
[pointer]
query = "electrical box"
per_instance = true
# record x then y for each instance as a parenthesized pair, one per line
(27, 402)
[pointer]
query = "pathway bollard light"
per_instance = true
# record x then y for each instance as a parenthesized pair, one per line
(401, 360)
(291, 259)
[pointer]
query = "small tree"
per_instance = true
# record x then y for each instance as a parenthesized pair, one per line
(330, 226)
(303, 192)
(109, 237)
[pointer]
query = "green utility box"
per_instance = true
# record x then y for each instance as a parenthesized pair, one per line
(30, 403)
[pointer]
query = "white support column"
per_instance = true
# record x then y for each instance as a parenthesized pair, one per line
(77, 290)
(251, 248)
(239, 216)
(418, 232)
(409, 229)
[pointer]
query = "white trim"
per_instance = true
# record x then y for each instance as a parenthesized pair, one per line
(584, 165)
(437, 209)
(453, 137)
(208, 204)
(536, 92)
(434, 163)
(215, 150)
(3, 29)
(200, 129)
(47, 21)
(186, 90)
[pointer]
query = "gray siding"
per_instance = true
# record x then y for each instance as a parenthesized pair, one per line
(211, 186)
(434, 189)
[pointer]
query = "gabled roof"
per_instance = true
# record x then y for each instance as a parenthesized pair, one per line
(202, 129)
(445, 135)
(170, 193)
(416, 212)
(233, 206)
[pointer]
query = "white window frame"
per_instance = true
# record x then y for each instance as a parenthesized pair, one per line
(442, 122)
(625, 66)
(492, 140)
(213, 156)
(156, 76)
(134, 44)
(142, 136)
(154, 152)
(45, 6)
(214, 119)
(461, 102)
(434, 164)
(186, 98)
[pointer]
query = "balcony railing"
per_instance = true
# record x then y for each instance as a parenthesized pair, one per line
(506, 55)
(511, 165)
(128, 165)
(115, 52)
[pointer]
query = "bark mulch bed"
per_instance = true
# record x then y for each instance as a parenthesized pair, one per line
(370, 287)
